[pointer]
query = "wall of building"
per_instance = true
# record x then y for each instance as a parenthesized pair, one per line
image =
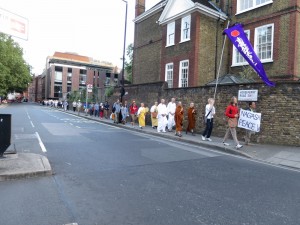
(279, 107)
(283, 14)
(147, 50)
(210, 44)
(297, 46)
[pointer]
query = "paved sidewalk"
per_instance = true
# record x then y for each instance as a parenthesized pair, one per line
(275, 154)
(23, 165)
(16, 165)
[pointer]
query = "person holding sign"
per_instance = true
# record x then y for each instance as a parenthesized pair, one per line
(252, 107)
(232, 114)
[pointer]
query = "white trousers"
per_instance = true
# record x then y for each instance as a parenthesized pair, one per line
(171, 121)
(162, 122)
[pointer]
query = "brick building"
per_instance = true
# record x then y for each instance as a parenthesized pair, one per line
(69, 72)
(180, 41)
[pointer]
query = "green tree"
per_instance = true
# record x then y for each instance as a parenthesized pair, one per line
(14, 71)
(128, 63)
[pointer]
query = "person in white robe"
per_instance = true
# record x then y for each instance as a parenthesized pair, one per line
(171, 108)
(162, 116)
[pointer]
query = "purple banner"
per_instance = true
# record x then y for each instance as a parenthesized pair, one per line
(239, 39)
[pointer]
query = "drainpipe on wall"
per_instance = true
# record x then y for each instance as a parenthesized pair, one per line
(229, 15)
(216, 51)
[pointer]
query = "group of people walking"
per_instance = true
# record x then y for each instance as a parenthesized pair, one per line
(94, 109)
(166, 118)
(172, 115)
(169, 117)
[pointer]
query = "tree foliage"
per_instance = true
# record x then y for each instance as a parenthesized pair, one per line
(128, 63)
(14, 71)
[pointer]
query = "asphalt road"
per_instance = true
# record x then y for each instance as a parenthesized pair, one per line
(109, 176)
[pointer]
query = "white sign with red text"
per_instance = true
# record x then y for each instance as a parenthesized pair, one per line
(13, 24)
(89, 88)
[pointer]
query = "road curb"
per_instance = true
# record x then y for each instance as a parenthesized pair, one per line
(211, 145)
(24, 165)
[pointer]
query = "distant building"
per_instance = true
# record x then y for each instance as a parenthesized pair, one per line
(180, 41)
(69, 72)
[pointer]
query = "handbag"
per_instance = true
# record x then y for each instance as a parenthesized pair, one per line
(154, 114)
(205, 117)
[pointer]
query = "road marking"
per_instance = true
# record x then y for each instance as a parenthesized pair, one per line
(40, 142)
(78, 127)
(71, 124)
(28, 115)
(31, 123)
(71, 224)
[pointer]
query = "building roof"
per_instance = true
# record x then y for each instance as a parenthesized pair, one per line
(175, 9)
(205, 3)
(79, 60)
(71, 56)
(230, 79)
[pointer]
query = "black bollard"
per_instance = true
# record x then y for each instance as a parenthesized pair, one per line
(5, 132)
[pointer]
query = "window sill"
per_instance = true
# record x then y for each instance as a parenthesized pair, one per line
(267, 61)
(183, 41)
(247, 64)
(169, 45)
(255, 7)
(240, 64)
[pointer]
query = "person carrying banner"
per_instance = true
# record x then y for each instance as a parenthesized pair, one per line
(210, 111)
(252, 107)
(232, 114)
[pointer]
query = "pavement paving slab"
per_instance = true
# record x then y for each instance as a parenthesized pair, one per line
(24, 165)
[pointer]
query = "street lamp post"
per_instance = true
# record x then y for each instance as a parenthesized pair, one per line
(124, 47)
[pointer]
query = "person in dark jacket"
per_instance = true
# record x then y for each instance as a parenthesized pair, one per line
(106, 109)
(252, 108)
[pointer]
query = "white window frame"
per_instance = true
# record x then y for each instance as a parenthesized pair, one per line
(169, 72)
(236, 53)
(254, 5)
(170, 34)
(264, 60)
(69, 76)
(58, 76)
(185, 20)
(181, 68)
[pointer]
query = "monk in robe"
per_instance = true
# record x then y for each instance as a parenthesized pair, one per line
(179, 119)
(191, 119)
(142, 115)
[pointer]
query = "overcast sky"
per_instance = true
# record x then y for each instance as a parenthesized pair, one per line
(93, 28)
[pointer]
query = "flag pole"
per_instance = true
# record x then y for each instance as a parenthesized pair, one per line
(220, 64)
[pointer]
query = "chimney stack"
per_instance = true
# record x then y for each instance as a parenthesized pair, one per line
(139, 7)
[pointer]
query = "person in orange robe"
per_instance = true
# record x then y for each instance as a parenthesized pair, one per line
(179, 119)
(191, 119)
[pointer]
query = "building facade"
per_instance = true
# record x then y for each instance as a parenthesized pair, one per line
(69, 72)
(180, 41)
(273, 28)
